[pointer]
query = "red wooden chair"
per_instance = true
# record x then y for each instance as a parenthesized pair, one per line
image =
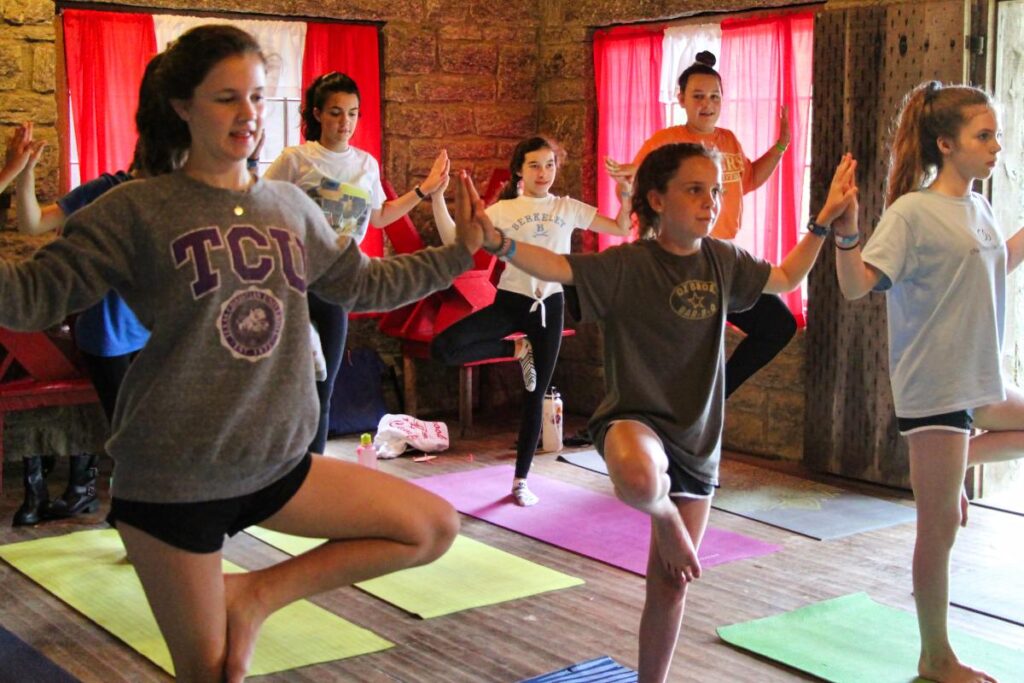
(49, 377)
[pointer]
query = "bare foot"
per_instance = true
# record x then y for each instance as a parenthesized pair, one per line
(675, 548)
(952, 671)
(245, 617)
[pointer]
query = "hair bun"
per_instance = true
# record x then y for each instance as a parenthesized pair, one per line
(706, 58)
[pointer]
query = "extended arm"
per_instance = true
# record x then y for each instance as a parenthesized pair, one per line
(537, 261)
(794, 267)
(32, 218)
(1014, 250)
(622, 224)
(766, 164)
(392, 210)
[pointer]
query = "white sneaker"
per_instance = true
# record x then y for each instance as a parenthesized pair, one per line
(525, 358)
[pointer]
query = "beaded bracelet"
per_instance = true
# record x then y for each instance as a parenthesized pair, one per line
(502, 246)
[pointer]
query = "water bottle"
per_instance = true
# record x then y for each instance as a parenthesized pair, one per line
(551, 440)
(366, 453)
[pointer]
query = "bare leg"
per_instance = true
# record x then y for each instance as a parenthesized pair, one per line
(1004, 436)
(938, 460)
(186, 593)
(665, 600)
(377, 524)
(638, 468)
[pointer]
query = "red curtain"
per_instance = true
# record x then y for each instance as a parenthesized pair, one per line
(112, 49)
(627, 68)
(766, 63)
(352, 49)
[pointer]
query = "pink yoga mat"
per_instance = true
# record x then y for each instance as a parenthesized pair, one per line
(577, 519)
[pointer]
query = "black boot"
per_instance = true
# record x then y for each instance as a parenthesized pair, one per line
(80, 495)
(36, 494)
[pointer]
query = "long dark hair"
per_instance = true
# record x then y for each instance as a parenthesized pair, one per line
(704, 63)
(655, 171)
(511, 188)
(316, 97)
(163, 135)
(930, 111)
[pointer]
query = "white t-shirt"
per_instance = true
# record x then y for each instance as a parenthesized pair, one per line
(345, 185)
(947, 262)
(547, 222)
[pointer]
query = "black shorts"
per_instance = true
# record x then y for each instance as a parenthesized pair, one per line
(200, 527)
(682, 484)
(960, 421)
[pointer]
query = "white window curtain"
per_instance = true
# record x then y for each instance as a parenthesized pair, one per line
(680, 46)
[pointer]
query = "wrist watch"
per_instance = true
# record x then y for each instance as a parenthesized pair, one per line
(817, 228)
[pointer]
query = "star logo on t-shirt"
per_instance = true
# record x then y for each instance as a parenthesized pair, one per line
(695, 299)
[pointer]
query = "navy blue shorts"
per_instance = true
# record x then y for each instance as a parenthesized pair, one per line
(959, 421)
(201, 527)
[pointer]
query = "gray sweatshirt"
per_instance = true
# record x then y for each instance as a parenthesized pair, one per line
(221, 402)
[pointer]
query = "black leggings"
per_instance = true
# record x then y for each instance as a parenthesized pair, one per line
(480, 336)
(332, 324)
(769, 326)
(107, 373)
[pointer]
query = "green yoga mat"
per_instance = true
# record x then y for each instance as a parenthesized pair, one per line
(471, 574)
(88, 571)
(853, 639)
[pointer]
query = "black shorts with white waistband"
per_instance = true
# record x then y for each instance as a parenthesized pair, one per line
(201, 527)
(961, 421)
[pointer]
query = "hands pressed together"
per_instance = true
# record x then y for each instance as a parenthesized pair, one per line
(22, 150)
(473, 227)
(840, 208)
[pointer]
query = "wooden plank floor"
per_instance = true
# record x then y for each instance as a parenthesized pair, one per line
(507, 642)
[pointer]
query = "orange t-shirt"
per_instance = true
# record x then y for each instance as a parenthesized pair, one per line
(737, 171)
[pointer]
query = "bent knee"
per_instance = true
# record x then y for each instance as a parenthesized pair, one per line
(438, 531)
(639, 483)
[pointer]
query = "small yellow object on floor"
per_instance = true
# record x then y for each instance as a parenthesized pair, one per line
(88, 571)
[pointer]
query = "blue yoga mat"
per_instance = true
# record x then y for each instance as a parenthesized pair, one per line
(20, 662)
(600, 670)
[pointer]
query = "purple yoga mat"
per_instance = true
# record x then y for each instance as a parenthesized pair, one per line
(577, 519)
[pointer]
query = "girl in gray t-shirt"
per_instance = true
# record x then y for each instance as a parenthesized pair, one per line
(942, 262)
(661, 303)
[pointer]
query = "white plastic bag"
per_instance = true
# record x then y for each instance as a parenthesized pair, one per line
(395, 433)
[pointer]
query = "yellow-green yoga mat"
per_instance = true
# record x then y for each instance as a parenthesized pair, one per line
(471, 574)
(88, 571)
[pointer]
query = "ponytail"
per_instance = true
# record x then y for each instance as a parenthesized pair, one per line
(929, 111)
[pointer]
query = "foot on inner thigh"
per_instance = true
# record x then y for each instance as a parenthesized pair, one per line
(951, 670)
(245, 616)
(675, 548)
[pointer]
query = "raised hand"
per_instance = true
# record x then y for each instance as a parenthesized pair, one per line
(617, 170)
(470, 210)
(841, 193)
(784, 132)
(437, 179)
(22, 151)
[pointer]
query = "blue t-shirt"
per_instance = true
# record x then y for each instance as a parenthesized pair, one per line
(109, 328)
